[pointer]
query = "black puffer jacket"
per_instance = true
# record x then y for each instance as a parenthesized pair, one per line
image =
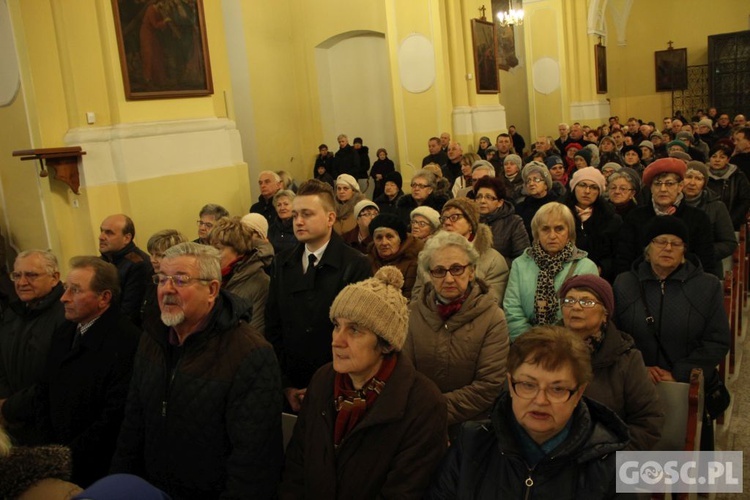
(25, 338)
(211, 425)
(509, 236)
(407, 203)
(486, 462)
(734, 190)
(347, 161)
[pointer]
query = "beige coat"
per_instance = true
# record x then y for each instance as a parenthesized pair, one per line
(345, 219)
(467, 356)
(492, 267)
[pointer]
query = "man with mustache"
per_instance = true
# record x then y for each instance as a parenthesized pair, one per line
(203, 418)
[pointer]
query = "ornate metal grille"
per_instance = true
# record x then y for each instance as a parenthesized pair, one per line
(695, 97)
(729, 62)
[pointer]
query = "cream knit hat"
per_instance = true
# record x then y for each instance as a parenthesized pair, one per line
(376, 304)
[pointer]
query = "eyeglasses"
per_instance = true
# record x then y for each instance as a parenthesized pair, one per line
(620, 189)
(452, 218)
(207, 225)
(584, 186)
(487, 197)
(18, 275)
(455, 270)
(667, 184)
(416, 185)
(370, 214)
(529, 390)
(419, 223)
(585, 303)
(178, 280)
(663, 242)
(534, 180)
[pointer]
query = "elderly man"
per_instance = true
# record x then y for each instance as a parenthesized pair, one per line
(347, 158)
(437, 155)
(695, 153)
(81, 400)
(203, 418)
(576, 136)
(304, 281)
(664, 177)
(706, 131)
(564, 131)
(723, 128)
(269, 183)
(116, 245)
(445, 141)
(452, 169)
(739, 121)
(25, 336)
(207, 218)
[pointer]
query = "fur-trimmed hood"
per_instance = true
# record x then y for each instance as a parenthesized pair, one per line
(26, 466)
(483, 239)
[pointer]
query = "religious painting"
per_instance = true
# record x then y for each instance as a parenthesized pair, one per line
(600, 60)
(671, 69)
(485, 57)
(163, 48)
(506, 40)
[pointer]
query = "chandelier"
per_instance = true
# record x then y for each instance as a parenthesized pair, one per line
(512, 17)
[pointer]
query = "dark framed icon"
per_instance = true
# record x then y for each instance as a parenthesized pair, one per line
(600, 60)
(163, 48)
(485, 57)
(671, 69)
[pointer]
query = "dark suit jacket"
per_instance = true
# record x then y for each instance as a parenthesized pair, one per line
(135, 271)
(297, 323)
(81, 401)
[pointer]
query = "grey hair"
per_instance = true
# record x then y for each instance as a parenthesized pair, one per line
(553, 209)
(284, 193)
(445, 239)
(217, 211)
(50, 261)
(273, 174)
(208, 258)
(483, 165)
(427, 176)
(621, 175)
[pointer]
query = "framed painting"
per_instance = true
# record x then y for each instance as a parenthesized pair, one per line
(600, 60)
(485, 57)
(163, 48)
(671, 69)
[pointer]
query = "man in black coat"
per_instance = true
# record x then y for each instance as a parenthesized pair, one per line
(437, 155)
(81, 401)
(269, 184)
(347, 158)
(116, 235)
(304, 281)
(741, 156)
(25, 335)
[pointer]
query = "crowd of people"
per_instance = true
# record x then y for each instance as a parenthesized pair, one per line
(502, 324)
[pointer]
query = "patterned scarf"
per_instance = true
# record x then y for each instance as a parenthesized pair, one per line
(446, 310)
(594, 341)
(352, 404)
(545, 298)
(669, 210)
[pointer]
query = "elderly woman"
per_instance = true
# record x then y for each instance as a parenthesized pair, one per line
(699, 196)
(393, 246)
(537, 275)
(690, 328)
(422, 186)
(623, 186)
(424, 222)
(464, 180)
(545, 438)
(157, 244)
(371, 426)
(597, 224)
(461, 216)
(513, 177)
(728, 183)
(540, 190)
(620, 378)
(509, 236)
(360, 237)
(380, 169)
(281, 229)
(457, 332)
(347, 196)
(243, 258)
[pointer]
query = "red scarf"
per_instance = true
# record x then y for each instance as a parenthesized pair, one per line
(445, 311)
(352, 404)
(226, 272)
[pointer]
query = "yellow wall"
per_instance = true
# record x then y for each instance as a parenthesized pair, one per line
(650, 26)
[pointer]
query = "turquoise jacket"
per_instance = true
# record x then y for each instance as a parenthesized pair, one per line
(519, 295)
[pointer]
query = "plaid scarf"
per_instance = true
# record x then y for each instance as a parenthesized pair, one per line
(352, 404)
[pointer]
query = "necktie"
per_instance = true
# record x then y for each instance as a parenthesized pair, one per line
(311, 259)
(76, 339)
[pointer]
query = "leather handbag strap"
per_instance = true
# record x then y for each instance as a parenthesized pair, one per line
(651, 324)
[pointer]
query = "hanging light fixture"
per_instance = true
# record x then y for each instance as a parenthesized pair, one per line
(511, 17)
